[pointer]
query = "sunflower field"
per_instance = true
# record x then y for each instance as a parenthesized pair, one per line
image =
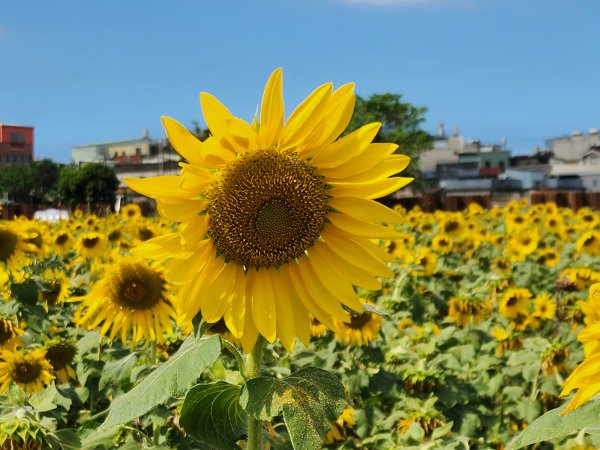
(466, 345)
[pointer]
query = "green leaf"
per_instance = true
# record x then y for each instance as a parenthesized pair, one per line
(552, 425)
(49, 399)
(172, 378)
(68, 439)
(311, 400)
(212, 413)
(117, 371)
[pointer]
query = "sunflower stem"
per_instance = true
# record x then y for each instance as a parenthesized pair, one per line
(253, 367)
(238, 357)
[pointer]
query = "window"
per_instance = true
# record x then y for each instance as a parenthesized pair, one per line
(138, 151)
(17, 138)
(488, 164)
(501, 165)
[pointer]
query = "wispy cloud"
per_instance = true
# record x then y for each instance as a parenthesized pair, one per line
(411, 3)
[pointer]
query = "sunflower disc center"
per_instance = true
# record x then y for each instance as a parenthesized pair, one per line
(267, 209)
(26, 371)
(8, 244)
(136, 287)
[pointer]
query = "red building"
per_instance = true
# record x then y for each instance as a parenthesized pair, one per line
(16, 144)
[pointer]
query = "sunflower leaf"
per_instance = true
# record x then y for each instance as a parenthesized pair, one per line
(172, 378)
(118, 370)
(311, 400)
(552, 425)
(212, 414)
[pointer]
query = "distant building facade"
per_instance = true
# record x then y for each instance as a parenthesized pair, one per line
(16, 144)
(135, 158)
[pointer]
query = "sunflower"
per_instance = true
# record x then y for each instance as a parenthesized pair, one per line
(339, 428)
(13, 246)
(61, 241)
(29, 369)
(91, 244)
(276, 219)
(507, 340)
(554, 359)
(131, 296)
(545, 307)
(442, 244)
(452, 225)
(589, 242)
(523, 243)
(55, 287)
(9, 332)
(60, 353)
(131, 211)
(317, 329)
(549, 257)
(515, 302)
(468, 310)
(362, 328)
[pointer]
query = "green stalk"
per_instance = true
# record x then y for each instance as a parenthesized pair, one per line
(255, 434)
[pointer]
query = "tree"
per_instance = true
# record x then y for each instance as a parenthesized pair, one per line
(90, 182)
(44, 178)
(16, 181)
(400, 124)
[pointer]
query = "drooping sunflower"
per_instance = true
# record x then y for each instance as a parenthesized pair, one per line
(131, 296)
(60, 352)
(468, 310)
(363, 328)
(515, 302)
(55, 287)
(339, 428)
(276, 219)
(29, 369)
(9, 332)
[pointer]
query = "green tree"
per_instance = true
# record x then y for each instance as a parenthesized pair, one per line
(44, 178)
(101, 182)
(16, 181)
(400, 124)
(90, 182)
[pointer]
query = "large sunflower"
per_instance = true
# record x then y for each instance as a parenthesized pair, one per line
(276, 219)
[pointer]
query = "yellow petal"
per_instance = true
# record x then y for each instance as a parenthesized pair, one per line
(159, 187)
(304, 118)
(161, 247)
(362, 228)
(194, 230)
(349, 272)
(264, 310)
(342, 244)
(285, 318)
(182, 271)
(292, 272)
(272, 111)
(392, 165)
(369, 190)
(216, 295)
(216, 115)
(332, 279)
(364, 209)
(319, 293)
(250, 335)
(236, 311)
(372, 156)
(346, 148)
(186, 144)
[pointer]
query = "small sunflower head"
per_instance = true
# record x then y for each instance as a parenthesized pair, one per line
(60, 353)
(363, 328)
(28, 368)
(9, 332)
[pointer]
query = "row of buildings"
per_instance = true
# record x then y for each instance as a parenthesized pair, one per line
(453, 165)
(470, 168)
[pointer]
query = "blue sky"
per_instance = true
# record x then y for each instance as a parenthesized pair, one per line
(84, 71)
